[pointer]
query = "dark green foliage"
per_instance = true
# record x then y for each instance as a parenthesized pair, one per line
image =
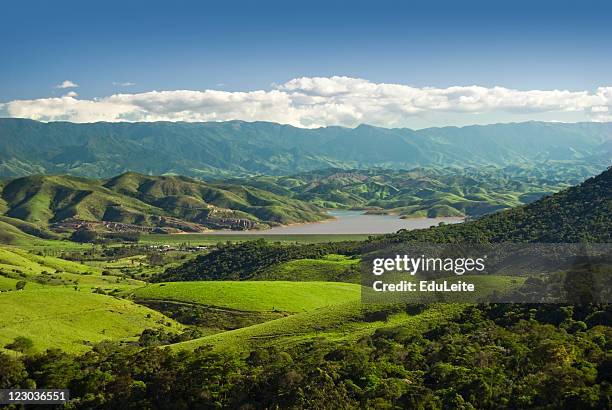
(84, 236)
(157, 337)
(20, 344)
(244, 260)
(20, 285)
(493, 356)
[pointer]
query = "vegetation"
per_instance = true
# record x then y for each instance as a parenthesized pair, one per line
(427, 192)
(240, 148)
(329, 268)
(214, 239)
(138, 203)
(247, 260)
(577, 214)
(72, 320)
(257, 324)
(253, 296)
(490, 357)
(31, 270)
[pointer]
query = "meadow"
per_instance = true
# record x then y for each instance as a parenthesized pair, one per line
(258, 296)
(72, 320)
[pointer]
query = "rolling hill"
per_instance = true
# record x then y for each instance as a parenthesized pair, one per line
(427, 192)
(132, 201)
(236, 148)
(62, 318)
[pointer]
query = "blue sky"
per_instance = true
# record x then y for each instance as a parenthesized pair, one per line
(136, 47)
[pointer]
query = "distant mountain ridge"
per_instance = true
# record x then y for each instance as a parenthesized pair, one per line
(233, 148)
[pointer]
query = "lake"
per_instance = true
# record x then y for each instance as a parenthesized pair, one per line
(349, 222)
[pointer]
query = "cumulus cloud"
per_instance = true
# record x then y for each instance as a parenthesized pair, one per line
(323, 101)
(67, 84)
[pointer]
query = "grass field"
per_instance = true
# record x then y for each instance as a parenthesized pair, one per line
(253, 296)
(71, 320)
(211, 239)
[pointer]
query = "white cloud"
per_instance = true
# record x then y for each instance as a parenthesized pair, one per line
(67, 84)
(124, 84)
(321, 101)
(71, 94)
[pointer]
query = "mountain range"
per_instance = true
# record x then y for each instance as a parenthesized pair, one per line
(237, 148)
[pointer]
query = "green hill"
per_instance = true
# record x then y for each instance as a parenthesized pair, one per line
(235, 147)
(254, 296)
(257, 260)
(46, 271)
(345, 322)
(35, 203)
(73, 321)
(224, 305)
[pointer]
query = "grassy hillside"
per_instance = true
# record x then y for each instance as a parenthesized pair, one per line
(71, 320)
(131, 200)
(250, 260)
(329, 268)
(346, 322)
(253, 296)
(47, 271)
(236, 147)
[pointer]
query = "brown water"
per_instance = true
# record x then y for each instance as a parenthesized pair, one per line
(350, 222)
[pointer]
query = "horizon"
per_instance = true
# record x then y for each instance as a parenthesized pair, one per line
(306, 128)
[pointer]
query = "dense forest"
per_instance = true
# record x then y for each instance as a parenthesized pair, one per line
(510, 356)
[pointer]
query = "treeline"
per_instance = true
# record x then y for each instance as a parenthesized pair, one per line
(240, 261)
(494, 356)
